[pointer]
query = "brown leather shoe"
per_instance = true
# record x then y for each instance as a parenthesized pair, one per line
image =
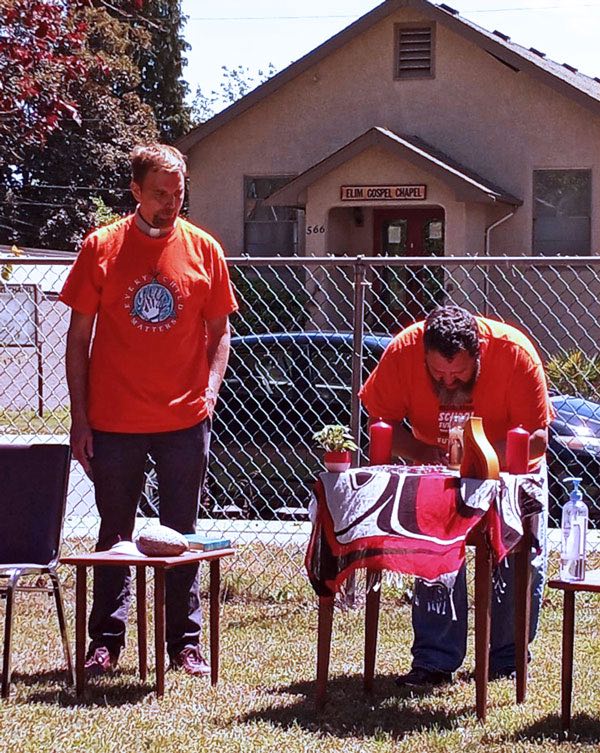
(100, 660)
(191, 661)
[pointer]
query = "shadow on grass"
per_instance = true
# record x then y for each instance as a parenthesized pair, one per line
(388, 711)
(117, 689)
(584, 729)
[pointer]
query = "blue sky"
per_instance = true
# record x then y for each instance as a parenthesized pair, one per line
(238, 32)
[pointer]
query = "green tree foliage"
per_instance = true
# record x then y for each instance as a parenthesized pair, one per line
(268, 303)
(158, 50)
(49, 202)
(575, 373)
(235, 84)
(161, 64)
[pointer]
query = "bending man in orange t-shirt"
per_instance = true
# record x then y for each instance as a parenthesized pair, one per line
(456, 363)
(154, 291)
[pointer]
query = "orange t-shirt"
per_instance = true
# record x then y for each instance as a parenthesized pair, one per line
(510, 390)
(148, 366)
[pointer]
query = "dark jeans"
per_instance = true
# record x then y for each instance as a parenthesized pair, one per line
(118, 468)
(440, 642)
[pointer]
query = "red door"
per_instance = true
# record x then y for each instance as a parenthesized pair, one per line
(403, 295)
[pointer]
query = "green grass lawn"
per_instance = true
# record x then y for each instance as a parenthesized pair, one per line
(264, 700)
(55, 421)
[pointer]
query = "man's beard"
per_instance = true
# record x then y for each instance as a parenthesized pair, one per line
(460, 395)
(163, 220)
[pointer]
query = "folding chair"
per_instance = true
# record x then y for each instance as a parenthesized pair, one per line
(33, 491)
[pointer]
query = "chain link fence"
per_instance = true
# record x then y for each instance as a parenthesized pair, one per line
(308, 332)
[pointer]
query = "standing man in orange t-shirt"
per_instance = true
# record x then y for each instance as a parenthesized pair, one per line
(151, 295)
(451, 364)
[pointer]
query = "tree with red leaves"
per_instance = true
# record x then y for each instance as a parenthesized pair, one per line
(49, 196)
(39, 60)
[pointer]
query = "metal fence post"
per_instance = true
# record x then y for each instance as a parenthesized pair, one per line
(358, 324)
(349, 598)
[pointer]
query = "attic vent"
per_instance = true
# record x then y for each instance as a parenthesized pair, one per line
(414, 50)
(569, 67)
(537, 52)
(505, 37)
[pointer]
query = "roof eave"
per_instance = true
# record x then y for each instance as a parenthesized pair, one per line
(293, 71)
(465, 188)
(455, 23)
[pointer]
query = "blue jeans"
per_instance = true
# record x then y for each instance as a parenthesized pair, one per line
(118, 469)
(440, 642)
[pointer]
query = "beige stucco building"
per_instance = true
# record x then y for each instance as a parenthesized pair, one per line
(411, 132)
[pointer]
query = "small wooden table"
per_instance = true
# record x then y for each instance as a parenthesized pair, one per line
(159, 565)
(591, 583)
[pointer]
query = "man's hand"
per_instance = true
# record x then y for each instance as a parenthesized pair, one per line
(210, 398)
(413, 450)
(429, 454)
(82, 444)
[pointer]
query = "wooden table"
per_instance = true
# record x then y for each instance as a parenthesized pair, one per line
(480, 537)
(159, 565)
(591, 583)
(483, 606)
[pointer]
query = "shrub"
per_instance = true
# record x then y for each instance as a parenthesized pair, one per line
(575, 373)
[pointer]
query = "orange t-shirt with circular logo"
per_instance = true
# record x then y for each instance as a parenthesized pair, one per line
(152, 296)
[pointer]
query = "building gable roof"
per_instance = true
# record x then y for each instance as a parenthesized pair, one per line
(564, 79)
(467, 185)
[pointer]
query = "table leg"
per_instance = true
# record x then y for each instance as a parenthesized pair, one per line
(567, 660)
(80, 626)
(140, 596)
(215, 590)
(522, 609)
(483, 599)
(323, 647)
(159, 628)
(371, 625)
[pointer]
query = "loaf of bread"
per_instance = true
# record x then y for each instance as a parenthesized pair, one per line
(161, 541)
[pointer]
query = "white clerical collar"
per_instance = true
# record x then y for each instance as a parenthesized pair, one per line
(148, 229)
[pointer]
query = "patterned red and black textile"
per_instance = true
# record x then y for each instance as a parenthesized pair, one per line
(408, 521)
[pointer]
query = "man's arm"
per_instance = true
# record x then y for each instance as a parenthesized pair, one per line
(218, 338)
(77, 364)
(538, 444)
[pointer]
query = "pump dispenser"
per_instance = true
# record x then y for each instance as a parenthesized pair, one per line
(573, 534)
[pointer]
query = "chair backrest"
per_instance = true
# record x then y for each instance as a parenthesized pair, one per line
(33, 493)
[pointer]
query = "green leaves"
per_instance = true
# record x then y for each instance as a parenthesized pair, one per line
(575, 373)
(335, 438)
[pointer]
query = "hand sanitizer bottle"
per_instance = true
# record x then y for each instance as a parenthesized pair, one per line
(573, 534)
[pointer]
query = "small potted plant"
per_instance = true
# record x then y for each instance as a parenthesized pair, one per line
(338, 443)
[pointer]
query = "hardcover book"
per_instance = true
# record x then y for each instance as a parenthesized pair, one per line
(203, 544)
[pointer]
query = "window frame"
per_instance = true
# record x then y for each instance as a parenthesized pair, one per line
(588, 170)
(247, 179)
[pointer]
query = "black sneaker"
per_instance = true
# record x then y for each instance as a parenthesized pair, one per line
(191, 661)
(423, 678)
(100, 661)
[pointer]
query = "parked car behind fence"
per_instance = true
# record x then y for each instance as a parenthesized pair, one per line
(281, 387)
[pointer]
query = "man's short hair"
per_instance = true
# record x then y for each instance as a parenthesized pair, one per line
(450, 330)
(154, 157)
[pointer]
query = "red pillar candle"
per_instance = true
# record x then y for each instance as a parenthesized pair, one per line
(517, 450)
(380, 443)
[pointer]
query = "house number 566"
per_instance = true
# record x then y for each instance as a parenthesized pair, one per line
(312, 229)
